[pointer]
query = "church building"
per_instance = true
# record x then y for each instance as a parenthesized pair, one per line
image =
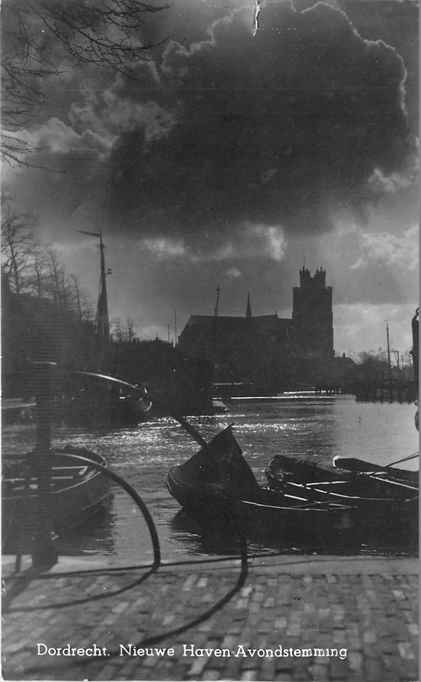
(266, 348)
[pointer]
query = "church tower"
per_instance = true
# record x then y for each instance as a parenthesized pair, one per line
(312, 315)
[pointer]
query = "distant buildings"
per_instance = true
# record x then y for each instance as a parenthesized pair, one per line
(266, 350)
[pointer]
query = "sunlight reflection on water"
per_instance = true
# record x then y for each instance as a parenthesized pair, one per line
(313, 428)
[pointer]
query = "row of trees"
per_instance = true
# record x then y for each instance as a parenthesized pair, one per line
(29, 267)
(33, 269)
(45, 314)
(123, 332)
(373, 365)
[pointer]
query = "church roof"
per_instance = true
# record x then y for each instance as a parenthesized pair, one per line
(231, 323)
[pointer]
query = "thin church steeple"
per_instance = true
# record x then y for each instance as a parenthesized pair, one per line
(218, 294)
(248, 309)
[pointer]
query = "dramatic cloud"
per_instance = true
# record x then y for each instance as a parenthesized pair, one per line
(116, 111)
(366, 266)
(388, 249)
(287, 127)
(232, 159)
(233, 273)
(250, 242)
(163, 248)
(290, 127)
(388, 184)
(55, 137)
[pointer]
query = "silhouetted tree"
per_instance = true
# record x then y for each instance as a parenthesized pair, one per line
(56, 279)
(130, 330)
(38, 271)
(77, 298)
(44, 38)
(17, 244)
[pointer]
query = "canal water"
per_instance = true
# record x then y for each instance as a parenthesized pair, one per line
(316, 427)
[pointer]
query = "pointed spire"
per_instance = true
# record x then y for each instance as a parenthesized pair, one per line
(218, 293)
(248, 309)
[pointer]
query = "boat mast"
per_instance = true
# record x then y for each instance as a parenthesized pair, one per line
(103, 322)
(102, 319)
(215, 323)
(389, 364)
(388, 346)
(415, 343)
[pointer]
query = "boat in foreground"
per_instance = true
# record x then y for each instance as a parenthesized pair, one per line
(218, 489)
(76, 491)
(348, 478)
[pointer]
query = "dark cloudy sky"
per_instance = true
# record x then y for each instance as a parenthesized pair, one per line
(236, 156)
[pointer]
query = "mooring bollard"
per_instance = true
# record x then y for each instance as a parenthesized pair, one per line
(44, 554)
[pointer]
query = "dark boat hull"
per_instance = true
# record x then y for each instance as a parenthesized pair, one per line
(265, 517)
(91, 398)
(365, 480)
(210, 494)
(76, 492)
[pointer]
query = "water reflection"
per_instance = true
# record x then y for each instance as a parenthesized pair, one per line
(221, 541)
(316, 428)
(94, 537)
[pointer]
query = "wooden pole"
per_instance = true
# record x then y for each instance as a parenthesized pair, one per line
(44, 554)
(191, 430)
(389, 364)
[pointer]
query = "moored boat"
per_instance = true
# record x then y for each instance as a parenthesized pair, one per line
(95, 398)
(76, 490)
(348, 478)
(218, 489)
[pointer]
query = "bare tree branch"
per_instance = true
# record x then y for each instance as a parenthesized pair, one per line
(16, 245)
(42, 37)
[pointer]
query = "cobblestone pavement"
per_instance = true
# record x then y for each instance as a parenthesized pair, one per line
(364, 608)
